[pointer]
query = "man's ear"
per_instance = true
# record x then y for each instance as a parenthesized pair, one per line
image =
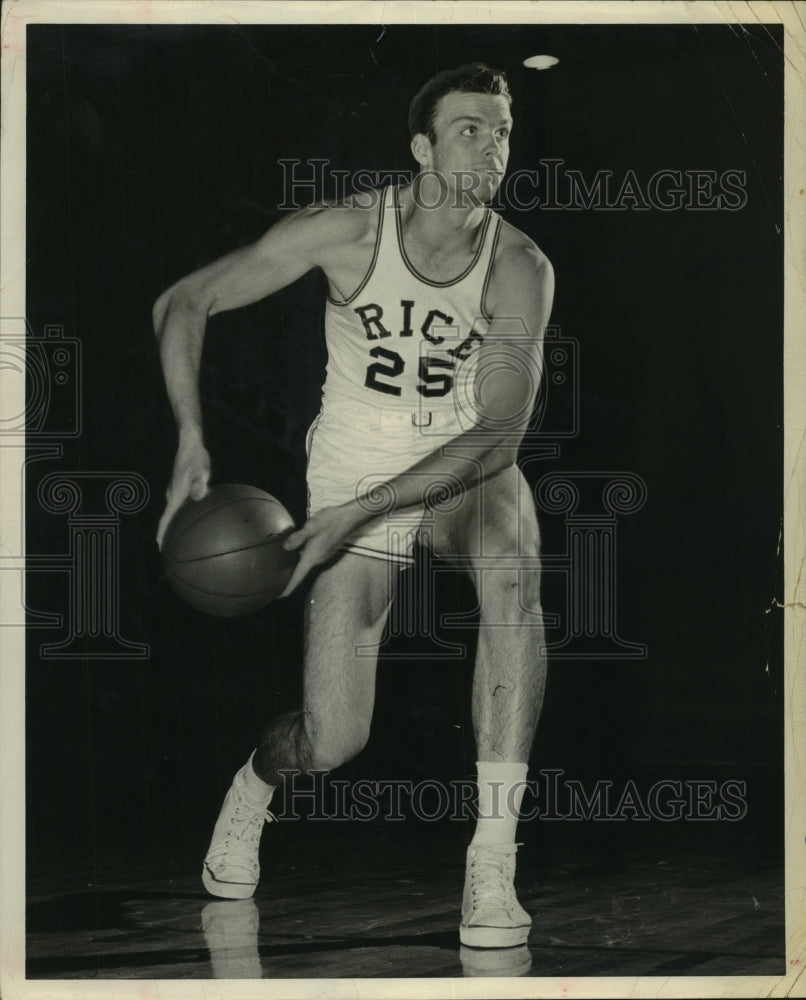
(421, 149)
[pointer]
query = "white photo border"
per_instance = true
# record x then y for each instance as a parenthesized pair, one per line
(16, 15)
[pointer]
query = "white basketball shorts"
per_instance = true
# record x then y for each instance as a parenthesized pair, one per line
(353, 449)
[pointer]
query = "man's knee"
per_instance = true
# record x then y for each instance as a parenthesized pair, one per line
(508, 520)
(330, 747)
(511, 538)
(509, 593)
(508, 574)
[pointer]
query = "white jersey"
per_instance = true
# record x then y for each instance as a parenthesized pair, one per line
(402, 341)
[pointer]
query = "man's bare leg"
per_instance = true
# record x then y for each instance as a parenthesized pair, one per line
(347, 607)
(494, 527)
(346, 610)
(510, 672)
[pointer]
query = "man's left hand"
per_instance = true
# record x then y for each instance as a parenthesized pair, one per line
(320, 538)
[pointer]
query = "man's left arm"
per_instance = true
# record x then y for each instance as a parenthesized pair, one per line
(508, 373)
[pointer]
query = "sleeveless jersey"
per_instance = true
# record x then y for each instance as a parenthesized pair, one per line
(402, 341)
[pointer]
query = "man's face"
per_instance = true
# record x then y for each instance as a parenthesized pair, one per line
(472, 143)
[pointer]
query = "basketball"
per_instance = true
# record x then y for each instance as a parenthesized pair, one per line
(224, 554)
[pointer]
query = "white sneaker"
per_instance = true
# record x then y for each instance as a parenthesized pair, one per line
(492, 917)
(496, 962)
(231, 868)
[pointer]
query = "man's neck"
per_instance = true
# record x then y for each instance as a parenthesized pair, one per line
(435, 211)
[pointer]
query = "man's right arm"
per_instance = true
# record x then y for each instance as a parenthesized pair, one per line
(286, 252)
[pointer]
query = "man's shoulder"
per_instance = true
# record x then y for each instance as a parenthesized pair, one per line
(336, 224)
(522, 276)
(517, 250)
(351, 218)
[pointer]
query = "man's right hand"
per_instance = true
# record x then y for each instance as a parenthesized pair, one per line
(190, 480)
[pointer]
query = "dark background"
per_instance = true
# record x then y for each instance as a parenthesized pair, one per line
(152, 150)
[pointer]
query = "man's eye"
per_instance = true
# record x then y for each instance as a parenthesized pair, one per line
(469, 130)
(504, 133)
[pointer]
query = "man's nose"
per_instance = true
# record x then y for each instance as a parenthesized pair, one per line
(492, 144)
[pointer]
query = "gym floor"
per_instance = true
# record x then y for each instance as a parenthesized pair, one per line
(374, 900)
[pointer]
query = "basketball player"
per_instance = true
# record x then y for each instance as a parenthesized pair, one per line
(434, 324)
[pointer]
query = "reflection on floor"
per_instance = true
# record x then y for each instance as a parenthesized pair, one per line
(367, 905)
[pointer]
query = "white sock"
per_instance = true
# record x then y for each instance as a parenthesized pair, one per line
(256, 788)
(501, 787)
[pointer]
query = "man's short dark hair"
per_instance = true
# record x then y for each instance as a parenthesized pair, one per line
(472, 78)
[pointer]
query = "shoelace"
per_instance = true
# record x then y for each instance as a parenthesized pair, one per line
(243, 837)
(491, 880)
(251, 821)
